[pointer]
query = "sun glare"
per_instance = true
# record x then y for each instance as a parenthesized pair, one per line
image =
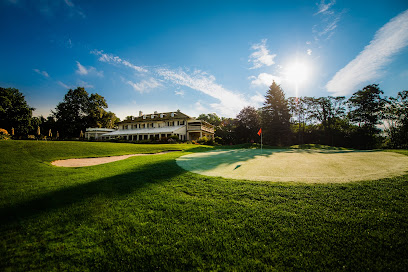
(297, 73)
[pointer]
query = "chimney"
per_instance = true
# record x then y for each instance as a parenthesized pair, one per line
(140, 113)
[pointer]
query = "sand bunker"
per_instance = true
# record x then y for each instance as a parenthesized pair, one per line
(96, 161)
(311, 166)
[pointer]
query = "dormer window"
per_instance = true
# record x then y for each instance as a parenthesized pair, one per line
(152, 116)
(161, 115)
(172, 114)
(144, 116)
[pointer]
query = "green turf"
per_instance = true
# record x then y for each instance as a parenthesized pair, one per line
(309, 166)
(146, 213)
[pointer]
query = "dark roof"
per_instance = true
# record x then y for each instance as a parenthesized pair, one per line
(166, 116)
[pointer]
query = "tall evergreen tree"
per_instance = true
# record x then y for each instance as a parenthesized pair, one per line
(276, 117)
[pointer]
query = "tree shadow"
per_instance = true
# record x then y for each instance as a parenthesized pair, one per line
(111, 187)
(235, 157)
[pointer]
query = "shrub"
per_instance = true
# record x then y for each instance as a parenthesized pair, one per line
(4, 135)
(205, 141)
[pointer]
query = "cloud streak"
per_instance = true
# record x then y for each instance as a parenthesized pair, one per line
(229, 104)
(261, 57)
(43, 73)
(83, 71)
(324, 8)
(369, 64)
(109, 58)
(330, 20)
(145, 85)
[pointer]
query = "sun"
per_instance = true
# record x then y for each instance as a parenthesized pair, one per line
(297, 72)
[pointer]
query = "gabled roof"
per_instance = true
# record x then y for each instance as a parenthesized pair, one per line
(157, 117)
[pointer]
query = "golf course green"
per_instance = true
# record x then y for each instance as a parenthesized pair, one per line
(299, 165)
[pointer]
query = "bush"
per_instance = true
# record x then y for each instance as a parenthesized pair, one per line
(4, 135)
(205, 141)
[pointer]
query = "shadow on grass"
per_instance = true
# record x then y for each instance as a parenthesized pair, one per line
(111, 187)
(212, 159)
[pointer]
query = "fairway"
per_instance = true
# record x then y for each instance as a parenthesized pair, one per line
(145, 213)
(306, 165)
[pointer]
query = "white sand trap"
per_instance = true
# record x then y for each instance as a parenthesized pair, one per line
(305, 165)
(96, 161)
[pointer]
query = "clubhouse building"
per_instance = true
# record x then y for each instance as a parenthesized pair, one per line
(155, 126)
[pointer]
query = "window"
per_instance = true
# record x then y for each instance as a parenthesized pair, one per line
(181, 123)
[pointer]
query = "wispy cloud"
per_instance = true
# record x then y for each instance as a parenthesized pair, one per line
(369, 64)
(145, 85)
(265, 79)
(199, 107)
(229, 104)
(261, 55)
(50, 7)
(329, 20)
(82, 70)
(43, 73)
(74, 9)
(109, 58)
(62, 84)
(325, 8)
(179, 92)
(85, 84)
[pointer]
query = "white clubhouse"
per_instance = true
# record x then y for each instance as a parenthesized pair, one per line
(155, 126)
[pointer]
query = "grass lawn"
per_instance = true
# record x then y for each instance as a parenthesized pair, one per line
(304, 165)
(146, 213)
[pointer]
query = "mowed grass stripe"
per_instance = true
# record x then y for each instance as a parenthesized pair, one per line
(146, 213)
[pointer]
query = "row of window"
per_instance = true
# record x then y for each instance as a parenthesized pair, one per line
(152, 136)
(155, 125)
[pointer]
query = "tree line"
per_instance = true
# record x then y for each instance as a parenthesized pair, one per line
(366, 120)
(73, 115)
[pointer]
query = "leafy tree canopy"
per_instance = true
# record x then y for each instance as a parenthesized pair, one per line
(248, 124)
(14, 111)
(80, 110)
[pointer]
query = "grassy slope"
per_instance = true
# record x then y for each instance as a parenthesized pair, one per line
(145, 213)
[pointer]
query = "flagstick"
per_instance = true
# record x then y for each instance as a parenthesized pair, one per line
(261, 142)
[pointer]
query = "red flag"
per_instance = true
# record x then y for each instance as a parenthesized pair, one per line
(260, 132)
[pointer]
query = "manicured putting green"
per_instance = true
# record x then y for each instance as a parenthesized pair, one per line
(299, 165)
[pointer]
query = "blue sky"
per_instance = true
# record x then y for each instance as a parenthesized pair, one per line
(200, 56)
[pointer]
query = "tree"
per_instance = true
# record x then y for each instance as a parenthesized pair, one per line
(96, 109)
(211, 118)
(276, 117)
(366, 110)
(247, 125)
(80, 110)
(396, 117)
(216, 121)
(14, 111)
(328, 111)
(109, 120)
(226, 131)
